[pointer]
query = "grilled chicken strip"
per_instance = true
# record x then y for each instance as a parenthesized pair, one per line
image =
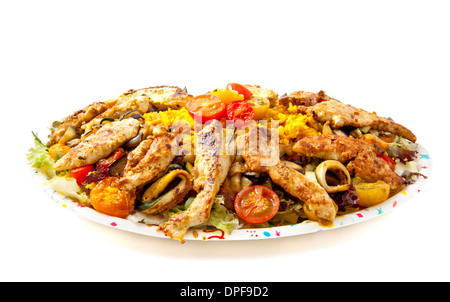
(318, 204)
(363, 158)
(160, 97)
(79, 118)
(210, 170)
(340, 115)
(163, 97)
(99, 145)
(298, 98)
(148, 160)
(257, 91)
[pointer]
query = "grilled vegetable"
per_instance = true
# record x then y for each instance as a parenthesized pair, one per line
(80, 173)
(241, 89)
(161, 196)
(370, 194)
(227, 96)
(260, 106)
(108, 199)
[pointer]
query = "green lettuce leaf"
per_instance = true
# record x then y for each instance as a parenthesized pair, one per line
(39, 158)
(221, 218)
(69, 187)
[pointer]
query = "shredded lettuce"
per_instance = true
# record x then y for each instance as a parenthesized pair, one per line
(68, 186)
(39, 158)
(221, 218)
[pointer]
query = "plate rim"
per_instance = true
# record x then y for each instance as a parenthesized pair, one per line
(424, 164)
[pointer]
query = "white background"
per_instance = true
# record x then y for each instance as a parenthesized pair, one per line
(391, 57)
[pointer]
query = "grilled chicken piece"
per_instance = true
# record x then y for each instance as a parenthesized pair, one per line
(298, 98)
(256, 90)
(130, 100)
(148, 160)
(99, 145)
(318, 204)
(363, 158)
(79, 118)
(210, 170)
(339, 115)
(163, 97)
(330, 146)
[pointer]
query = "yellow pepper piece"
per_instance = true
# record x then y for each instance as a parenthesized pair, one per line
(260, 106)
(58, 150)
(227, 96)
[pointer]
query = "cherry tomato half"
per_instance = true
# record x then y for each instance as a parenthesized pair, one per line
(240, 113)
(208, 106)
(107, 198)
(80, 173)
(241, 89)
(256, 204)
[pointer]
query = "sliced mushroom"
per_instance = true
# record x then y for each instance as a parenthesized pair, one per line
(70, 134)
(156, 201)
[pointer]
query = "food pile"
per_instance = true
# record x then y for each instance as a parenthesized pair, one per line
(235, 157)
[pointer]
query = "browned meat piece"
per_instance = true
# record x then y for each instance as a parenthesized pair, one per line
(372, 168)
(150, 158)
(257, 91)
(340, 115)
(210, 170)
(318, 205)
(330, 146)
(364, 161)
(163, 97)
(298, 98)
(79, 118)
(160, 97)
(99, 145)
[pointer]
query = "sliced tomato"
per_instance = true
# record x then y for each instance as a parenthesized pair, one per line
(240, 113)
(241, 89)
(389, 161)
(256, 204)
(206, 107)
(80, 173)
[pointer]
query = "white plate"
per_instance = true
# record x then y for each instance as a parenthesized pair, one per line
(423, 164)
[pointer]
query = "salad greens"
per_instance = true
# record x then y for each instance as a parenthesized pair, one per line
(39, 158)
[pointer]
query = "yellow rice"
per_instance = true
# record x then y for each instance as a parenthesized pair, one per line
(292, 125)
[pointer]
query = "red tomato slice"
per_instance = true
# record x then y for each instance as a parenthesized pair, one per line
(256, 204)
(206, 106)
(80, 173)
(241, 89)
(240, 113)
(389, 161)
